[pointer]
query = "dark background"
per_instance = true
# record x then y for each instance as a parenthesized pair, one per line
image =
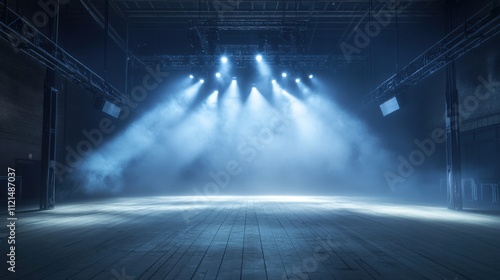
(420, 26)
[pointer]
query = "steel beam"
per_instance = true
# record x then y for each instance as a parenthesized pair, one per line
(24, 37)
(242, 25)
(475, 31)
(211, 62)
(453, 160)
(49, 143)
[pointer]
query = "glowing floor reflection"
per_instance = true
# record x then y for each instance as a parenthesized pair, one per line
(255, 237)
(327, 204)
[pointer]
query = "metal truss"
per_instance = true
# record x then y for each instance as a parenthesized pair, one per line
(205, 33)
(24, 37)
(265, 49)
(245, 25)
(211, 62)
(475, 31)
(264, 9)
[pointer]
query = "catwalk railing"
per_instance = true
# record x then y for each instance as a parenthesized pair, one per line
(24, 37)
(472, 33)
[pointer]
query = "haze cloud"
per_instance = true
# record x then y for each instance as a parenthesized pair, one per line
(274, 142)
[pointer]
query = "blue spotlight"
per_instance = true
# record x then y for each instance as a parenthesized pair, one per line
(202, 81)
(191, 76)
(311, 76)
(223, 59)
(284, 75)
(258, 57)
(273, 81)
(284, 92)
(297, 80)
(217, 75)
(216, 92)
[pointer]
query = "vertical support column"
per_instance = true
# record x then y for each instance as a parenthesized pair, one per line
(106, 38)
(18, 7)
(48, 184)
(48, 177)
(4, 11)
(453, 161)
(127, 57)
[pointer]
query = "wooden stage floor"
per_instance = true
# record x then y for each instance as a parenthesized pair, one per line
(253, 238)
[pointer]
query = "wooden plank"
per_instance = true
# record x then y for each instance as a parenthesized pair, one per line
(255, 238)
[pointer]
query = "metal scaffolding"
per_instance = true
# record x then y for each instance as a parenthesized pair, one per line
(245, 25)
(475, 31)
(204, 34)
(24, 37)
(264, 9)
(211, 62)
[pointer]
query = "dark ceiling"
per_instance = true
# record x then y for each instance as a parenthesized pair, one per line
(311, 27)
(326, 12)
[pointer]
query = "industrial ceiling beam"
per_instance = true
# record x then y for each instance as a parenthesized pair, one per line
(479, 28)
(285, 61)
(263, 14)
(251, 9)
(247, 24)
(26, 38)
(262, 2)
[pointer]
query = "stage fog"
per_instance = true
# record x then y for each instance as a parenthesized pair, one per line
(233, 136)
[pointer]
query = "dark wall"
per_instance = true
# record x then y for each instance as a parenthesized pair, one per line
(481, 154)
(21, 100)
(21, 103)
(479, 90)
(21, 87)
(478, 84)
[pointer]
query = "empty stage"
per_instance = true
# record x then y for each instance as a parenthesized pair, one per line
(254, 238)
